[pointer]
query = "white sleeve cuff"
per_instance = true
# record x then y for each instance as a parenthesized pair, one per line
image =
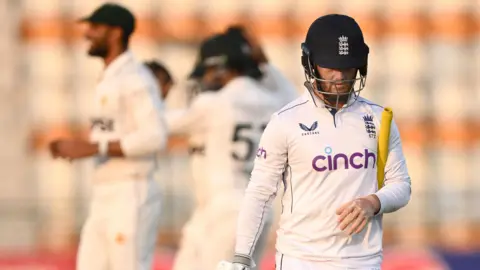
(393, 197)
(244, 259)
(103, 148)
(138, 144)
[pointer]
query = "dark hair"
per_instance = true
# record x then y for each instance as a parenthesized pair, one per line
(237, 29)
(238, 32)
(245, 66)
(156, 66)
(125, 39)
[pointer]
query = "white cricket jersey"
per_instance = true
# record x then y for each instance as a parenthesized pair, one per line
(127, 108)
(282, 89)
(232, 121)
(324, 161)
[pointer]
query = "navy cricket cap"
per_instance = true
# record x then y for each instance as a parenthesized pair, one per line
(237, 32)
(336, 41)
(113, 15)
(206, 48)
(220, 50)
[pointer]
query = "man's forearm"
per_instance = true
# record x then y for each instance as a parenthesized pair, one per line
(255, 210)
(394, 196)
(114, 149)
(143, 142)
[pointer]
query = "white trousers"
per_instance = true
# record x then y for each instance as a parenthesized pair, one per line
(284, 262)
(209, 237)
(122, 227)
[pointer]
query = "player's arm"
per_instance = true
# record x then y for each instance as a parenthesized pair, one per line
(263, 186)
(397, 189)
(188, 120)
(149, 135)
(395, 194)
(178, 127)
(183, 122)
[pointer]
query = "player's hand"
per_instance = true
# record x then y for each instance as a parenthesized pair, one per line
(224, 265)
(72, 149)
(354, 216)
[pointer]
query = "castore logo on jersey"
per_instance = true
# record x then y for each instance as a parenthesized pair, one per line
(356, 160)
(309, 130)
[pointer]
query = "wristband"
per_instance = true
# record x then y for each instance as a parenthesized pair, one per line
(103, 148)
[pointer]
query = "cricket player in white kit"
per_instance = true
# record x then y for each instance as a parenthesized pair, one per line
(323, 148)
(190, 122)
(127, 131)
(230, 114)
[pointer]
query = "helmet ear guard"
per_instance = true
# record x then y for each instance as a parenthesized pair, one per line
(307, 62)
(363, 70)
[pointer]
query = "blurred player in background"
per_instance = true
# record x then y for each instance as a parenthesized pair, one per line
(323, 147)
(127, 131)
(163, 76)
(188, 123)
(282, 88)
(229, 115)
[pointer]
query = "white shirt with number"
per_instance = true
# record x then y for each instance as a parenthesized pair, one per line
(127, 108)
(323, 160)
(231, 121)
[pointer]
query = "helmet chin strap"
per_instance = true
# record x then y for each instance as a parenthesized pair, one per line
(336, 99)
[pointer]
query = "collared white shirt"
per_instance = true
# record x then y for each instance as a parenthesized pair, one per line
(127, 108)
(323, 160)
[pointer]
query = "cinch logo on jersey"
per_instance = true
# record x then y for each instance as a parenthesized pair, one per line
(310, 130)
(262, 153)
(355, 160)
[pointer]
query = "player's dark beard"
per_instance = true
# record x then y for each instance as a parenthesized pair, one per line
(214, 84)
(332, 99)
(99, 49)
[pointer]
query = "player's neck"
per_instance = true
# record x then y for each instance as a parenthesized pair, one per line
(112, 55)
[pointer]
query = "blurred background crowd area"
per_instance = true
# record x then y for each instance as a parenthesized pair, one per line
(424, 63)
